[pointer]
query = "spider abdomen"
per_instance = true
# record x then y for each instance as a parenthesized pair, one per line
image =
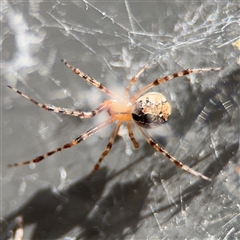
(151, 110)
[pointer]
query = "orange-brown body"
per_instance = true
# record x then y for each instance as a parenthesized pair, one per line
(148, 111)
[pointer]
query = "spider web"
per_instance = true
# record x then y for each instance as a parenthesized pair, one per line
(137, 193)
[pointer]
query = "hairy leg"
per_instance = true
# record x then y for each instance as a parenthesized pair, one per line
(66, 111)
(108, 147)
(170, 157)
(67, 145)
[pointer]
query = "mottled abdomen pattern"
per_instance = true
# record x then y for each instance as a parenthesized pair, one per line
(151, 110)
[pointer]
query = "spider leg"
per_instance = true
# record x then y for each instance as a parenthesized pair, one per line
(67, 145)
(108, 147)
(170, 157)
(134, 79)
(90, 80)
(131, 135)
(66, 111)
(158, 81)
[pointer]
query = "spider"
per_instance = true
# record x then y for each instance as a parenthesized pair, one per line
(144, 111)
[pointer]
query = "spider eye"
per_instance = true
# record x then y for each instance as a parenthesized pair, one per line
(151, 110)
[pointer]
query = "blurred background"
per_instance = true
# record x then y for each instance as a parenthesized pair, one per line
(137, 193)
